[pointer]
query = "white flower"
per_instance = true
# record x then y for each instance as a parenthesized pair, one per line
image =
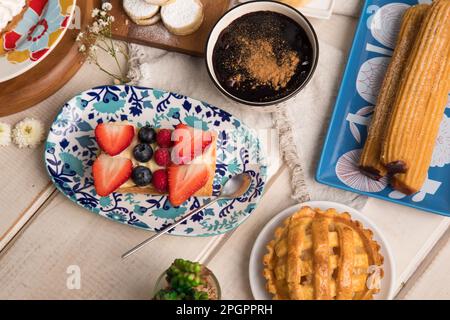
(28, 133)
(5, 134)
(111, 19)
(80, 36)
(107, 6)
(103, 13)
(95, 12)
(95, 28)
(93, 49)
(82, 48)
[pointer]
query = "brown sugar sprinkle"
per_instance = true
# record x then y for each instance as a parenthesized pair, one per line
(261, 63)
(262, 56)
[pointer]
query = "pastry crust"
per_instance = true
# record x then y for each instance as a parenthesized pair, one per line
(369, 162)
(321, 255)
(206, 191)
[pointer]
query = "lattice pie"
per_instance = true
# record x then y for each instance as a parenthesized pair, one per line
(322, 255)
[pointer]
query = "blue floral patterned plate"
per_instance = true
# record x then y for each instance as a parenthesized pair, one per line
(372, 48)
(71, 149)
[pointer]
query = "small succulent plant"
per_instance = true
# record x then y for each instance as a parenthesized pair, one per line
(183, 277)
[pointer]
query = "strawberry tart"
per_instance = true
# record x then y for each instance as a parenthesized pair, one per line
(180, 162)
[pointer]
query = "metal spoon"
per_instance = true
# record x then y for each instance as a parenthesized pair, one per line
(233, 188)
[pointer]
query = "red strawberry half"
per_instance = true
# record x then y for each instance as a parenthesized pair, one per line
(114, 138)
(186, 180)
(189, 143)
(110, 173)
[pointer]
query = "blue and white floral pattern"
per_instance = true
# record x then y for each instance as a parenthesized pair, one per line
(71, 149)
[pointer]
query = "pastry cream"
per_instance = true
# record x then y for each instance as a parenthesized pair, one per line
(128, 153)
(208, 157)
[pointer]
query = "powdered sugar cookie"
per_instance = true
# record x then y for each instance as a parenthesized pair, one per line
(157, 2)
(148, 22)
(139, 9)
(182, 17)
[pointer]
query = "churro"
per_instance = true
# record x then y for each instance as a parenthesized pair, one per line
(370, 163)
(418, 107)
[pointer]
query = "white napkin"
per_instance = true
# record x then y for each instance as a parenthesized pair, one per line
(351, 8)
(308, 115)
(302, 124)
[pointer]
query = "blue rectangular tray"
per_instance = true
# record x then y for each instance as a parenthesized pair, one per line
(369, 57)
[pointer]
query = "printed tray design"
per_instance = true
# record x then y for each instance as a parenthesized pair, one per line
(372, 48)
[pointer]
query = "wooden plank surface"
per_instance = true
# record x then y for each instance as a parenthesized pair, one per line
(62, 235)
(23, 169)
(51, 74)
(158, 36)
(432, 282)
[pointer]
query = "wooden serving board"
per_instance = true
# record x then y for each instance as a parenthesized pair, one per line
(158, 36)
(52, 73)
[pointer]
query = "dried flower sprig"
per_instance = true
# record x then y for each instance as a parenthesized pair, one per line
(98, 36)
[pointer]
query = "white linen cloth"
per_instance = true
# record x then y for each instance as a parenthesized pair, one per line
(301, 122)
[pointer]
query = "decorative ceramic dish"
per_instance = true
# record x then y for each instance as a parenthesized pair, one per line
(42, 26)
(257, 281)
(369, 58)
(71, 149)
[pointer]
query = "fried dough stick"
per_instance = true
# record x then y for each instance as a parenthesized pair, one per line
(420, 102)
(369, 162)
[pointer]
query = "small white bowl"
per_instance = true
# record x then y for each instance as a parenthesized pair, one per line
(257, 281)
(255, 6)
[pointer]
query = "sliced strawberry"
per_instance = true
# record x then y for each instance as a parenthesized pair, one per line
(110, 173)
(189, 143)
(186, 180)
(114, 138)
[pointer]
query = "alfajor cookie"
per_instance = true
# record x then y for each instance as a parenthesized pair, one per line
(157, 2)
(148, 22)
(182, 17)
(140, 9)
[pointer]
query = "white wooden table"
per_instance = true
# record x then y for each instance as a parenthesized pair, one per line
(42, 234)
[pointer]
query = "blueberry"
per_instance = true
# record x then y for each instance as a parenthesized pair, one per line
(143, 152)
(147, 134)
(141, 176)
